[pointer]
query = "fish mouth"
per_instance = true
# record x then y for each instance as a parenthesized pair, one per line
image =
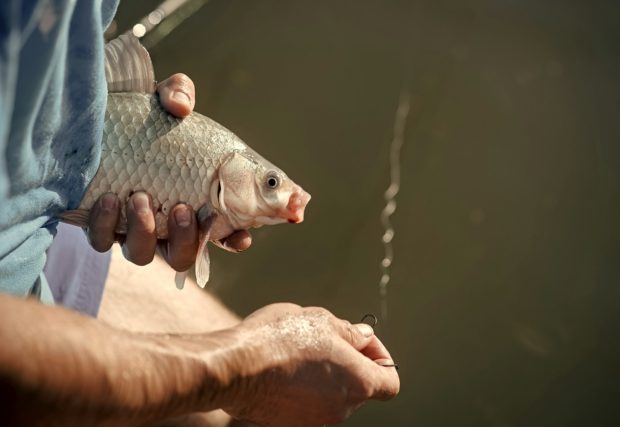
(294, 211)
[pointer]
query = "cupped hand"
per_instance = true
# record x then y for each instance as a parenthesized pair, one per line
(305, 367)
(177, 96)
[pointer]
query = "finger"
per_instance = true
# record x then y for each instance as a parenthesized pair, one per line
(386, 383)
(383, 382)
(177, 95)
(379, 382)
(141, 239)
(238, 241)
(102, 222)
(182, 243)
(358, 335)
(377, 352)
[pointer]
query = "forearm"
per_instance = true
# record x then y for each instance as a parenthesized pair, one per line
(145, 299)
(60, 368)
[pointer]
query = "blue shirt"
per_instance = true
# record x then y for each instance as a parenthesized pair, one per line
(52, 101)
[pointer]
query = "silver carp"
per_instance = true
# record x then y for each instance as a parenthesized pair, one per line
(192, 160)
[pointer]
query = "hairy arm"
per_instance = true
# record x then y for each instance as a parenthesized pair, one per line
(146, 300)
(282, 366)
(61, 368)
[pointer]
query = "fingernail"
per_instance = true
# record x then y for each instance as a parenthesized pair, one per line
(182, 217)
(109, 202)
(141, 203)
(365, 329)
(230, 248)
(181, 97)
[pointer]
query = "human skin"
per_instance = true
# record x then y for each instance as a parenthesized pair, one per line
(282, 366)
(143, 299)
(177, 95)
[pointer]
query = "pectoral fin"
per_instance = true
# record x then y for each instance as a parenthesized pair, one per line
(203, 263)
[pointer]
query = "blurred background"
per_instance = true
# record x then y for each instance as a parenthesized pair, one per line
(504, 299)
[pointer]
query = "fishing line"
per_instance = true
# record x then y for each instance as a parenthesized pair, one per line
(400, 122)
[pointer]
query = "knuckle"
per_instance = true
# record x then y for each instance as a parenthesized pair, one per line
(319, 311)
(351, 332)
(346, 329)
(362, 392)
(184, 249)
(388, 391)
(286, 306)
(141, 223)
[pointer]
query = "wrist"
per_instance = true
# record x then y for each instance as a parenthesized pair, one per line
(210, 368)
(65, 367)
(255, 366)
(190, 373)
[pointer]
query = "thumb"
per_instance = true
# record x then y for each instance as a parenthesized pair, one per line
(358, 335)
(177, 95)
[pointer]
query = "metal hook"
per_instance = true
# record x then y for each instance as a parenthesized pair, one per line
(371, 316)
(373, 323)
(390, 365)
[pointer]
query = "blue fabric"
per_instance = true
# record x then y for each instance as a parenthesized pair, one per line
(52, 101)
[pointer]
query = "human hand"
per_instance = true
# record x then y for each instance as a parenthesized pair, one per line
(305, 367)
(177, 96)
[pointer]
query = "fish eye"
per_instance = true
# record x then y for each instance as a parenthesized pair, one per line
(272, 181)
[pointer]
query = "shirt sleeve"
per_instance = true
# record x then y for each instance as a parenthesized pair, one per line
(52, 102)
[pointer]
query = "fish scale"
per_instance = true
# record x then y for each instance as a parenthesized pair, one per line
(193, 160)
(145, 148)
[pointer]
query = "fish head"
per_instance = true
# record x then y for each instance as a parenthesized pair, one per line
(252, 192)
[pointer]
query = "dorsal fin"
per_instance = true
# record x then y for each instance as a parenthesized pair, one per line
(128, 66)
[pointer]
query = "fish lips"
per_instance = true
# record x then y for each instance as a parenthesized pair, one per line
(294, 211)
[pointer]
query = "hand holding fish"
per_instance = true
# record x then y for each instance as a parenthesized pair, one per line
(177, 96)
(192, 160)
(305, 367)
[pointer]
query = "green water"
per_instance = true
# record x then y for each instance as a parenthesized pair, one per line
(504, 304)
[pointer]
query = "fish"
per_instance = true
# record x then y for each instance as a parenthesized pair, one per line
(193, 160)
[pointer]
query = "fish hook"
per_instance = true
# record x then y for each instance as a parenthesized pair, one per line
(373, 322)
(370, 316)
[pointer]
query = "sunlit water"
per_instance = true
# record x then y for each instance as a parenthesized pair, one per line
(504, 307)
